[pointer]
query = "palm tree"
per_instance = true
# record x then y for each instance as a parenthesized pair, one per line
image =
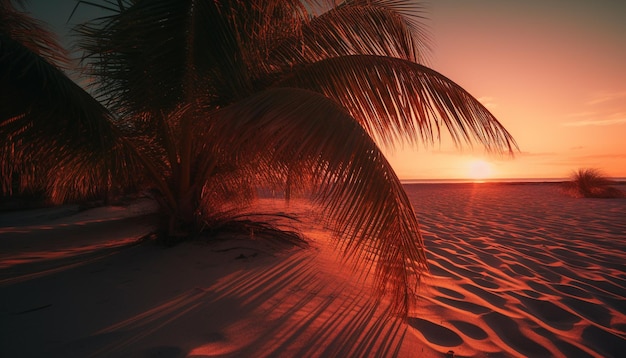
(206, 101)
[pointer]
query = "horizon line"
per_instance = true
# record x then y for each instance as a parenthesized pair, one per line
(619, 180)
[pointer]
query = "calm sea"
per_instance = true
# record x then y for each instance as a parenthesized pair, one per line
(497, 180)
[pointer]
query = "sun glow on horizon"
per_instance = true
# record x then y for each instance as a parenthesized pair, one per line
(478, 169)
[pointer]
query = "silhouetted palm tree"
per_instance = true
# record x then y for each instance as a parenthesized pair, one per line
(205, 101)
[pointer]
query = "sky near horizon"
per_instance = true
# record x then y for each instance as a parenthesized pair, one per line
(552, 72)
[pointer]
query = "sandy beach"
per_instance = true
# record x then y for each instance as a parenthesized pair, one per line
(516, 271)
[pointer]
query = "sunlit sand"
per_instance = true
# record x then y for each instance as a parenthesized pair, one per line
(516, 271)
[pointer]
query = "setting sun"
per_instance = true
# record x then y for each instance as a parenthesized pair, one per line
(479, 169)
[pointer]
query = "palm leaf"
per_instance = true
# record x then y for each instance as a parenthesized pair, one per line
(156, 54)
(51, 127)
(353, 183)
(137, 56)
(375, 28)
(399, 101)
(32, 34)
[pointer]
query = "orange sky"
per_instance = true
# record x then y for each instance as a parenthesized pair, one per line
(553, 72)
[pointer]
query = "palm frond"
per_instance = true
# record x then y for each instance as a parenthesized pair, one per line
(50, 125)
(181, 47)
(375, 28)
(352, 181)
(114, 6)
(399, 101)
(413, 13)
(32, 34)
(137, 56)
(273, 228)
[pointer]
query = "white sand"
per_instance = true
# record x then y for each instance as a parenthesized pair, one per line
(517, 270)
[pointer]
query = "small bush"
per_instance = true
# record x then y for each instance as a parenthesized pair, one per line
(591, 183)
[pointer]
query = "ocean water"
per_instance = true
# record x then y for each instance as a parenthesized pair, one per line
(495, 180)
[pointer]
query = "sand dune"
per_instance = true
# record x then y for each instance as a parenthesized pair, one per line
(516, 271)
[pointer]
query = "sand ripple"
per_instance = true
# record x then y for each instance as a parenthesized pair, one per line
(516, 271)
(522, 270)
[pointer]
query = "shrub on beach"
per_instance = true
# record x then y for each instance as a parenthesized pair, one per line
(591, 183)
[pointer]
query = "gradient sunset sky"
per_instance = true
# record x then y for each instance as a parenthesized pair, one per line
(553, 72)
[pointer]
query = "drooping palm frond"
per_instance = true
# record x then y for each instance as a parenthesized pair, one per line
(375, 28)
(400, 101)
(47, 122)
(358, 190)
(31, 33)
